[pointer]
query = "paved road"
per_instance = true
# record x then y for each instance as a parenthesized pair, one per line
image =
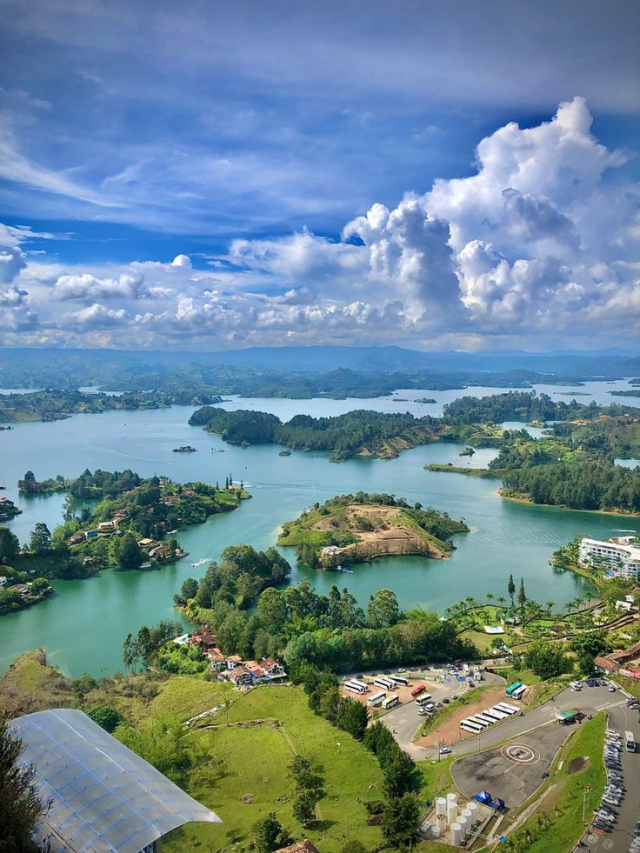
(404, 721)
(622, 719)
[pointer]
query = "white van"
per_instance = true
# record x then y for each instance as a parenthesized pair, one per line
(576, 685)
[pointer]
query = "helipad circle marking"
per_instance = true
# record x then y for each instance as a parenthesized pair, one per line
(521, 754)
(607, 844)
(591, 838)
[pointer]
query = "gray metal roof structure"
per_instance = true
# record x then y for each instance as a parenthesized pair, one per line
(104, 797)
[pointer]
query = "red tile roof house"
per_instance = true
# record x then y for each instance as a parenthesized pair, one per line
(241, 677)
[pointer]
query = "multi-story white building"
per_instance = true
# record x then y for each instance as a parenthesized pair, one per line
(621, 558)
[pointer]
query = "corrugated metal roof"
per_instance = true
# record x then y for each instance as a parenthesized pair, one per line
(105, 798)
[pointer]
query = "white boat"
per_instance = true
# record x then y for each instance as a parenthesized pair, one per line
(200, 562)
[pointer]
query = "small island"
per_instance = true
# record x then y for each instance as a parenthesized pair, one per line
(185, 448)
(426, 400)
(284, 453)
(8, 509)
(468, 451)
(358, 528)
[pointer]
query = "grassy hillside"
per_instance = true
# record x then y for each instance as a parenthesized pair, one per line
(266, 728)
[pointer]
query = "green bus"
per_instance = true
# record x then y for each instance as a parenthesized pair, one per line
(512, 688)
(390, 702)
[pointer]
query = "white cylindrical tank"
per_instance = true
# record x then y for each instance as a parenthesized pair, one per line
(468, 814)
(435, 831)
(462, 823)
(441, 806)
(452, 798)
(456, 834)
(452, 812)
(473, 808)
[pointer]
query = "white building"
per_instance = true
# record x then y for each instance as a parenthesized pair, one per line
(623, 560)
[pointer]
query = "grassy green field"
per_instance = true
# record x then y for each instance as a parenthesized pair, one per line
(266, 728)
(558, 825)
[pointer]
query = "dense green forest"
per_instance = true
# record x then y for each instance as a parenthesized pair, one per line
(253, 618)
(357, 432)
(54, 405)
(524, 406)
(579, 485)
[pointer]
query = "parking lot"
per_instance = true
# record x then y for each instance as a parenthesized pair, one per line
(514, 770)
(621, 719)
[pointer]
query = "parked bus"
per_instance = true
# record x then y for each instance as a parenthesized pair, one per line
(468, 726)
(498, 712)
(385, 683)
(419, 689)
(390, 702)
(476, 719)
(513, 687)
(494, 716)
(422, 700)
(355, 686)
(376, 699)
(629, 742)
(485, 717)
(508, 709)
(519, 693)
(400, 679)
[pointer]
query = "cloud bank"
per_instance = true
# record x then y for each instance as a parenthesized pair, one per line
(539, 244)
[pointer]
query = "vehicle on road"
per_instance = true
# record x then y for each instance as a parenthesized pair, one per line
(629, 742)
(444, 750)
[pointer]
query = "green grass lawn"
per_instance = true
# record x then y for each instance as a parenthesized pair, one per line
(255, 763)
(558, 825)
(186, 696)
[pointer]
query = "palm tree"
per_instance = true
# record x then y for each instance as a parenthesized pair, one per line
(489, 596)
(501, 601)
(550, 605)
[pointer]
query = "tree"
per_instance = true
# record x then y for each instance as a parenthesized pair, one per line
(353, 718)
(383, 610)
(9, 545)
(511, 589)
(40, 541)
(272, 610)
(129, 553)
(308, 789)
(587, 647)
(189, 589)
(400, 820)
(399, 775)
(522, 596)
(354, 846)
(20, 806)
(270, 835)
(547, 659)
(106, 716)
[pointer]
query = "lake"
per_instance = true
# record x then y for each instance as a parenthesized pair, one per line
(84, 624)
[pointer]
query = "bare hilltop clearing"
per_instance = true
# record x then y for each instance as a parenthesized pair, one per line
(355, 529)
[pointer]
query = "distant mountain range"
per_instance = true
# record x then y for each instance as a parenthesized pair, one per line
(320, 359)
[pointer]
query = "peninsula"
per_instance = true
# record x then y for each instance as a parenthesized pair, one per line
(358, 528)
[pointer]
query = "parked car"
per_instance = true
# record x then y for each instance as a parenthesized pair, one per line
(444, 750)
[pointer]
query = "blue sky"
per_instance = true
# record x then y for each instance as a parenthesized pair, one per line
(457, 175)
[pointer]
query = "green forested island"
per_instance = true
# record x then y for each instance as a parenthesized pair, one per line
(362, 432)
(133, 525)
(356, 528)
(54, 405)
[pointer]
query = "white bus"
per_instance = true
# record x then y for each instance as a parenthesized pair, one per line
(519, 693)
(355, 686)
(390, 702)
(487, 718)
(422, 700)
(468, 726)
(497, 712)
(476, 719)
(508, 709)
(629, 742)
(385, 683)
(376, 699)
(401, 680)
(490, 714)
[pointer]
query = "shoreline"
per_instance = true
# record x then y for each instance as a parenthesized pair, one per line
(529, 502)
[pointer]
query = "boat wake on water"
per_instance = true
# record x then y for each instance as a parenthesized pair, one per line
(201, 562)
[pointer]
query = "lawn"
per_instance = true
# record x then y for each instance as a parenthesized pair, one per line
(255, 763)
(185, 696)
(558, 825)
